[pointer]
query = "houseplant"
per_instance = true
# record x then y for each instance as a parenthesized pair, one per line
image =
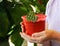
(31, 25)
(34, 22)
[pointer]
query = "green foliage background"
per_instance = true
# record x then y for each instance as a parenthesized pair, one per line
(10, 18)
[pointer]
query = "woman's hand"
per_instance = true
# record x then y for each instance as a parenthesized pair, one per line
(39, 37)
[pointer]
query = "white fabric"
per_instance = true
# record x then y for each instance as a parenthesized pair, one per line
(53, 17)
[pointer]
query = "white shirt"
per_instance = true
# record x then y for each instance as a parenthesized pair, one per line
(53, 17)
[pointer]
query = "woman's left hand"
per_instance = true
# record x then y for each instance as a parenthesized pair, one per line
(39, 37)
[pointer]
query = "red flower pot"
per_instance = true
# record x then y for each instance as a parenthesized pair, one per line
(32, 27)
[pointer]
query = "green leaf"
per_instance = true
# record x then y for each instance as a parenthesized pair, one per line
(4, 24)
(26, 1)
(4, 43)
(16, 38)
(31, 17)
(17, 12)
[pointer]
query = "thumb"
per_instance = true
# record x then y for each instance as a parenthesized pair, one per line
(38, 34)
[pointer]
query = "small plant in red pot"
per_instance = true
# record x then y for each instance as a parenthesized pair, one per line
(34, 22)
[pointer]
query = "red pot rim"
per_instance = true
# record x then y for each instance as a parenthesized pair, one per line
(41, 17)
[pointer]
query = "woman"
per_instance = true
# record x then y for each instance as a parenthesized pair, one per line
(52, 31)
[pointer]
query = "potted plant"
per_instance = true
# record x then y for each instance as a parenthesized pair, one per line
(34, 22)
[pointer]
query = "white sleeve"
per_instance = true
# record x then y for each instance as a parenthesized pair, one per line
(47, 11)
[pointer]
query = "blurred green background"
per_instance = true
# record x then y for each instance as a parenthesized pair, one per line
(10, 18)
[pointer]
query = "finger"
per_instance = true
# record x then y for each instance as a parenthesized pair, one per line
(21, 23)
(38, 39)
(25, 36)
(22, 27)
(42, 39)
(38, 34)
